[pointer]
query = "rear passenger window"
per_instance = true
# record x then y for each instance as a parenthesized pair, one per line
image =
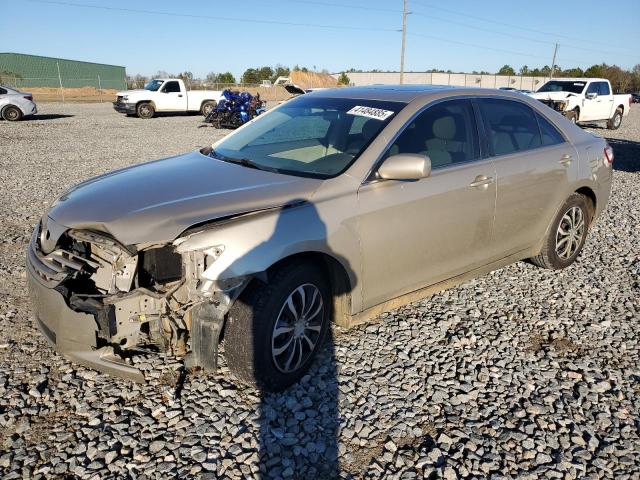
(550, 134)
(445, 132)
(511, 126)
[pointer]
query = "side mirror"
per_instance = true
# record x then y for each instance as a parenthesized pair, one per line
(405, 166)
(591, 95)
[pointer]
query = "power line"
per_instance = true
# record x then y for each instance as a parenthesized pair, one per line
(211, 17)
(519, 27)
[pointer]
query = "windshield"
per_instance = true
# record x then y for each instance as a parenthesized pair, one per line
(153, 85)
(309, 136)
(563, 86)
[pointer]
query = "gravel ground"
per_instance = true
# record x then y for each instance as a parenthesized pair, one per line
(522, 373)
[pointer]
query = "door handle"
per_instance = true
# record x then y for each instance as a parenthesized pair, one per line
(482, 181)
(566, 160)
(180, 95)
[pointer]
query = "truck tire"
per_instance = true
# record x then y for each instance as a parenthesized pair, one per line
(11, 113)
(274, 330)
(615, 121)
(207, 106)
(566, 235)
(145, 110)
(573, 116)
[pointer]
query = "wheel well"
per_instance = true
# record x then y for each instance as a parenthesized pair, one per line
(591, 196)
(146, 101)
(621, 108)
(207, 100)
(337, 276)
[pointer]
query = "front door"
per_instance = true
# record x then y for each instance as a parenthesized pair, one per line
(598, 108)
(417, 233)
(170, 98)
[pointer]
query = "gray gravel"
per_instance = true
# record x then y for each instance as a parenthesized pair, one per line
(522, 373)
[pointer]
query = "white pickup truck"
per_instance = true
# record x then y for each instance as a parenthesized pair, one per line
(165, 95)
(585, 100)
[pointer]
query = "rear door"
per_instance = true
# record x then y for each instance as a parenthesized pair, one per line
(171, 97)
(417, 233)
(534, 164)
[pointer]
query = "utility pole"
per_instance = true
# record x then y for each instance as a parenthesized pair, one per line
(553, 62)
(404, 39)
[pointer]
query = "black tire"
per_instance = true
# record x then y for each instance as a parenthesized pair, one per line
(145, 110)
(11, 113)
(549, 256)
(614, 122)
(252, 320)
(572, 116)
(206, 107)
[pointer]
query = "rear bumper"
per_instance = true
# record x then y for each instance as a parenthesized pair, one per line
(128, 108)
(73, 334)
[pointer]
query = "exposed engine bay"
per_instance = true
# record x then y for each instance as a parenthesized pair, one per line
(148, 300)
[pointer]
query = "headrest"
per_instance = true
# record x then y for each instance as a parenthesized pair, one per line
(444, 128)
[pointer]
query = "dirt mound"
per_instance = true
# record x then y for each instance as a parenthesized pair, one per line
(82, 94)
(312, 79)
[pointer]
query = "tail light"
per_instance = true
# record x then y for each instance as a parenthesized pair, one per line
(608, 155)
(29, 97)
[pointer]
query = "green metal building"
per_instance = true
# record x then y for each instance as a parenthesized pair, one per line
(20, 70)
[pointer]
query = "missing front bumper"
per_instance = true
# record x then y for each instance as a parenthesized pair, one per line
(74, 334)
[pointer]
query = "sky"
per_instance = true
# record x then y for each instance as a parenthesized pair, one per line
(214, 36)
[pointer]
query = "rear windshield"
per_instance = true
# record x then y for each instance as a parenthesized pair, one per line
(309, 136)
(563, 86)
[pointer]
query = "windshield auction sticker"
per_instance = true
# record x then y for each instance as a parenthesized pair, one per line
(370, 112)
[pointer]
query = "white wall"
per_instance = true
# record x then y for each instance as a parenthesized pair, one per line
(457, 79)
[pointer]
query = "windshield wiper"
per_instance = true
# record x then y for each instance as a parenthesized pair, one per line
(245, 162)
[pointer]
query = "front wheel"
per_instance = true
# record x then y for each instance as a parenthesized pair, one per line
(145, 110)
(615, 121)
(11, 113)
(275, 330)
(566, 236)
(572, 116)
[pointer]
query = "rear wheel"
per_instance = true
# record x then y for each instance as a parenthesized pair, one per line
(615, 121)
(566, 236)
(274, 330)
(145, 110)
(207, 107)
(11, 113)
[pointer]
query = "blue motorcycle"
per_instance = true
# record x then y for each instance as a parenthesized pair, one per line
(235, 109)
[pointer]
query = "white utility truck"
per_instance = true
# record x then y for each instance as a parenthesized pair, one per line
(585, 100)
(165, 95)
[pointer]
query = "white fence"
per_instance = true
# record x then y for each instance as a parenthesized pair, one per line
(454, 79)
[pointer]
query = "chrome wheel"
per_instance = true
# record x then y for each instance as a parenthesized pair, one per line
(297, 330)
(570, 233)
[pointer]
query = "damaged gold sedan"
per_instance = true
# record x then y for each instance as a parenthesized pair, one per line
(335, 206)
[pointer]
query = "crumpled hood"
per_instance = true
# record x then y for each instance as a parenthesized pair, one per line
(552, 95)
(154, 202)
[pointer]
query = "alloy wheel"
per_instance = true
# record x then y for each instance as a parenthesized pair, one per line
(297, 330)
(570, 233)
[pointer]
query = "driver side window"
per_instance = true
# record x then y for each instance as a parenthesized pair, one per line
(446, 132)
(172, 87)
(593, 88)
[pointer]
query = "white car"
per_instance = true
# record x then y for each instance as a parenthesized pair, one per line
(585, 100)
(165, 95)
(14, 104)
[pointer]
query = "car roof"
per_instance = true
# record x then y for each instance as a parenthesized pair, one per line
(577, 79)
(408, 93)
